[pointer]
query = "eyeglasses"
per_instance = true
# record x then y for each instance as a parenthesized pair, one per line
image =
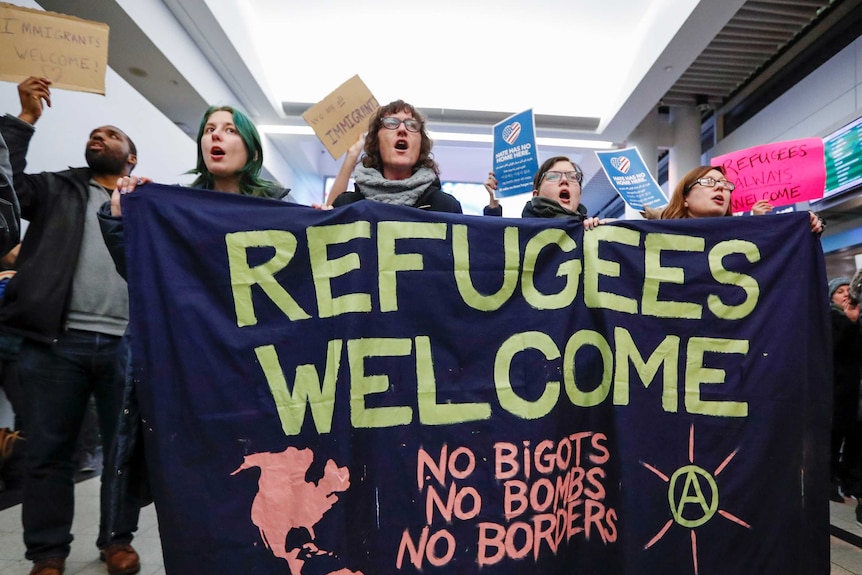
(572, 176)
(712, 182)
(392, 123)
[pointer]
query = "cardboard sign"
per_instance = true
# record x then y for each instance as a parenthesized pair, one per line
(782, 173)
(69, 51)
(340, 118)
(629, 176)
(516, 159)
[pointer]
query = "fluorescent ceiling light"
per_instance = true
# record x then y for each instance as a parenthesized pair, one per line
(452, 137)
(551, 142)
(288, 130)
(460, 137)
(632, 34)
(564, 143)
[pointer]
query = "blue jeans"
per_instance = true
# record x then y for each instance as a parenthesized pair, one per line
(58, 379)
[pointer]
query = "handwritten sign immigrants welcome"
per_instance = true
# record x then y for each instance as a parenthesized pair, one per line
(69, 51)
(377, 389)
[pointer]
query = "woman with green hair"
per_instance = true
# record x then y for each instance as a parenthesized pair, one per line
(230, 155)
(229, 159)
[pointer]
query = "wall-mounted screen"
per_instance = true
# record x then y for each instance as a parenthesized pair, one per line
(843, 149)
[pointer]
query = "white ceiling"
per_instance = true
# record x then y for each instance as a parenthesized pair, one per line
(608, 60)
(589, 70)
(451, 54)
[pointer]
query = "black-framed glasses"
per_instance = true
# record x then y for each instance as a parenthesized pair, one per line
(712, 182)
(392, 123)
(572, 176)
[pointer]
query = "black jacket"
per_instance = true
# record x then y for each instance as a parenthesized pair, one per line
(36, 300)
(434, 199)
(847, 368)
(10, 212)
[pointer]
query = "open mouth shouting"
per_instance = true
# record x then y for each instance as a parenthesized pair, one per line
(400, 147)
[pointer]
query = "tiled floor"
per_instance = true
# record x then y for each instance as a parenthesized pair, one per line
(846, 553)
(84, 560)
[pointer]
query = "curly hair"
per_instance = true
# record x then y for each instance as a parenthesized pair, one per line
(373, 159)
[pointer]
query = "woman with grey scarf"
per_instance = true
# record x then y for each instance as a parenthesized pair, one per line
(397, 167)
(556, 193)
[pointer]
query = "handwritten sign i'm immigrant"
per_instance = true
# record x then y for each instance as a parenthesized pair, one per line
(69, 51)
(341, 117)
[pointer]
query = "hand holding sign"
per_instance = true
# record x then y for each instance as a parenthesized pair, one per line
(32, 92)
(342, 179)
(762, 207)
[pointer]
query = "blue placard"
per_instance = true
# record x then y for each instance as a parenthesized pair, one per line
(630, 178)
(515, 157)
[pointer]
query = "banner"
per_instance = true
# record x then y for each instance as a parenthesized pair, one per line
(781, 173)
(516, 159)
(69, 51)
(380, 389)
(629, 176)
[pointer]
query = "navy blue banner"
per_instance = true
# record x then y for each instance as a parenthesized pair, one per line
(377, 389)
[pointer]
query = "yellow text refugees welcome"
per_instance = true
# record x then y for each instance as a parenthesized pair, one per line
(577, 269)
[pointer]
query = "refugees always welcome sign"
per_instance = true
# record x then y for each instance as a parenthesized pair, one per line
(781, 173)
(379, 389)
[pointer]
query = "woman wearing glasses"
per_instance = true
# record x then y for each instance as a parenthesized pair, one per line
(397, 167)
(556, 193)
(704, 192)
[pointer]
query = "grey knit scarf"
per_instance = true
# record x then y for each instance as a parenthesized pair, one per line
(374, 186)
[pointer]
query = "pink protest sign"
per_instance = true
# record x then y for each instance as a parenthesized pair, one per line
(782, 173)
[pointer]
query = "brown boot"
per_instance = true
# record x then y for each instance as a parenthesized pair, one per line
(121, 559)
(51, 566)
